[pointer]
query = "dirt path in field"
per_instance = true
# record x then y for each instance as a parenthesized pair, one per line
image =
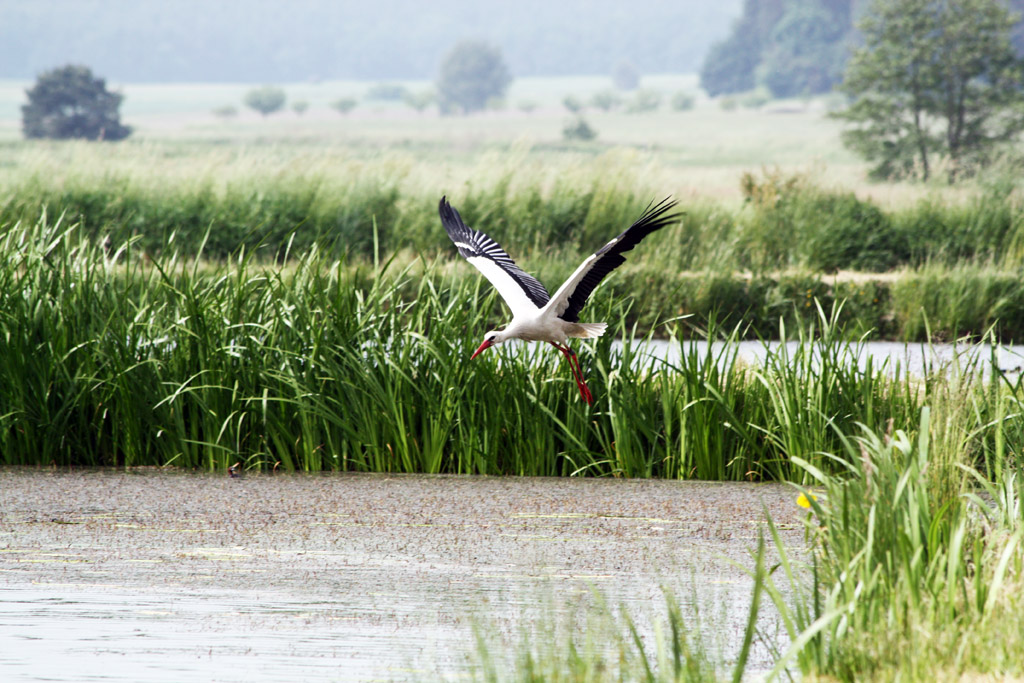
(170, 576)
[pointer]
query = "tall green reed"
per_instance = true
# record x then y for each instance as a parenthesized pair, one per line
(604, 644)
(110, 357)
(903, 578)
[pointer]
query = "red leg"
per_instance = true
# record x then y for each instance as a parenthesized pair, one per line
(584, 389)
(587, 396)
(572, 367)
(577, 372)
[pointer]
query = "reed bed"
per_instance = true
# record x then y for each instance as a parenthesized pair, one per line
(113, 356)
(238, 198)
(108, 357)
(916, 559)
(913, 569)
(946, 268)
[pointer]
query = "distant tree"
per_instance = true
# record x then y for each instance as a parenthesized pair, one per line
(806, 51)
(792, 47)
(578, 129)
(343, 105)
(572, 103)
(387, 91)
(265, 100)
(934, 78)
(606, 100)
(729, 68)
(420, 100)
(526, 106)
(683, 101)
(300, 107)
(625, 76)
(644, 100)
(472, 74)
(69, 102)
(730, 65)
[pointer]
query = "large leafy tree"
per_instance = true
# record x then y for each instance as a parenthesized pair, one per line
(69, 102)
(806, 50)
(791, 47)
(730, 64)
(472, 74)
(934, 78)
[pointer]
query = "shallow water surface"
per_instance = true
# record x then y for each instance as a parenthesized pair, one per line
(892, 358)
(114, 576)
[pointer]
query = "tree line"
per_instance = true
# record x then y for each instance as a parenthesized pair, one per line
(799, 47)
(924, 79)
(930, 80)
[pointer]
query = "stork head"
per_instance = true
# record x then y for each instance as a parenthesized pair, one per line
(490, 339)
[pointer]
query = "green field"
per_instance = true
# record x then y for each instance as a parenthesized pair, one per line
(700, 152)
(279, 293)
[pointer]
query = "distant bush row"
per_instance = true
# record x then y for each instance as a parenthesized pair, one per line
(787, 221)
(934, 304)
(794, 223)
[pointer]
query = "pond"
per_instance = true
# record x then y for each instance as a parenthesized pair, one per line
(898, 357)
(116, 576)
(895, 358)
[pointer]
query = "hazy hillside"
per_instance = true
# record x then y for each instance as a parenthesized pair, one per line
(271, 40)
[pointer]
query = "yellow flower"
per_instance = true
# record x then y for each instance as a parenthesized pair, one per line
(803, 502)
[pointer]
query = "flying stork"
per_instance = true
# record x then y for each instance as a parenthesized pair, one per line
(537, 316)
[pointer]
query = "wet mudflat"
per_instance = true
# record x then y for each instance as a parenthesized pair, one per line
(152, 575)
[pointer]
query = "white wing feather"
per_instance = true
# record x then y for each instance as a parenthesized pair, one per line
(560, 299)
(510, 290)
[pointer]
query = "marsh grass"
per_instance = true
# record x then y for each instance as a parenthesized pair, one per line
(944, 302)
(912, 572)
(110, 357)
(915, 558)
(602, 643)
(952, 265)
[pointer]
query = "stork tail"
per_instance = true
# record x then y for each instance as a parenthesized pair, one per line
(589, 330)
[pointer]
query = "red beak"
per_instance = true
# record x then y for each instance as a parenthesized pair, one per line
(486, 345)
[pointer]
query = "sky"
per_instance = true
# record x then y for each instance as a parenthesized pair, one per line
(308, 40)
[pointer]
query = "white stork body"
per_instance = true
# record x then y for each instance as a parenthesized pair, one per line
(537, 316)
(546, 326)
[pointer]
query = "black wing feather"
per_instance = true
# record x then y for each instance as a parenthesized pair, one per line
(471, 243)
(610, 255)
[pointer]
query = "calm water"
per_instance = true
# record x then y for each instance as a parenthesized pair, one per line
(896, 356)
(892, 357)
(108, 576)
